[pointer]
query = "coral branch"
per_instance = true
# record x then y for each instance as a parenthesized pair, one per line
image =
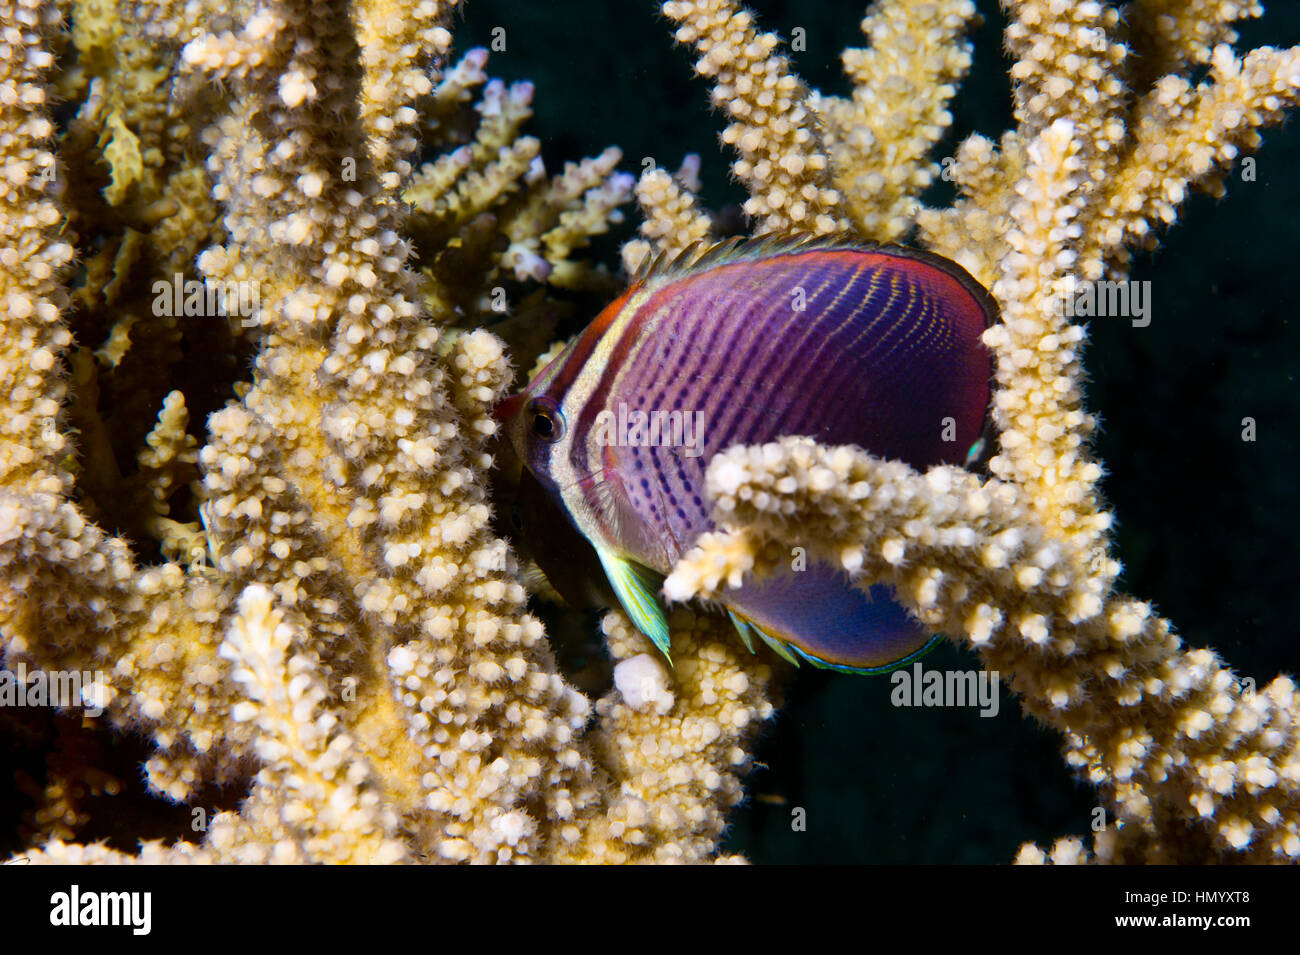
(1166, 733)
(781, 163)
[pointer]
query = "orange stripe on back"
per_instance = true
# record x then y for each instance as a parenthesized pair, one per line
(586, 344)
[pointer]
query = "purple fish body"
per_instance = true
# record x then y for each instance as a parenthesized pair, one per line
(874, 347)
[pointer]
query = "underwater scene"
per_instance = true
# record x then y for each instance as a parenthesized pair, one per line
(788, 433)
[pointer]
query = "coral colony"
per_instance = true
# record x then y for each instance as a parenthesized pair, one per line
(290, 584)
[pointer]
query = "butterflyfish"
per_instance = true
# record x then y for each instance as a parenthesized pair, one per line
(878, 347)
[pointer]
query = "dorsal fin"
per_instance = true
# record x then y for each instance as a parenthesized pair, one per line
(703, 256)
(663, 267)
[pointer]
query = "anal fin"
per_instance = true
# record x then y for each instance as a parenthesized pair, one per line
(743, 629)
(817, 615)
(747, 628)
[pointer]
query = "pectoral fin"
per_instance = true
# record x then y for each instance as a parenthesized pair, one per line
(637, 589)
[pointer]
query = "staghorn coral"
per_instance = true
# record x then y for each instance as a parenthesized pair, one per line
(308, 606)
(353, 629)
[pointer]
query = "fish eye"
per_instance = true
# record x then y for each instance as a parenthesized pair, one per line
(545, 420)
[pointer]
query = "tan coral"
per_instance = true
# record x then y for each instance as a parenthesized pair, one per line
(673, 220)
(1167, 733)
(879, 139)
(782, 163)
(358, 649)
